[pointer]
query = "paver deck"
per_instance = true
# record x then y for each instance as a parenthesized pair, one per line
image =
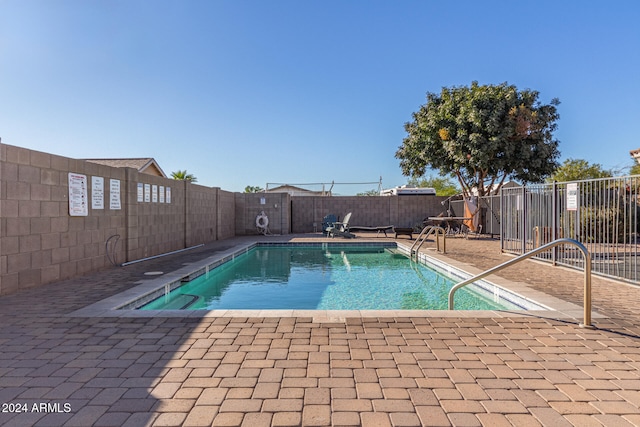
(524, 370)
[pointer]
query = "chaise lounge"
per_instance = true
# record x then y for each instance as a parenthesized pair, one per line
(403, 231)
(378, 230)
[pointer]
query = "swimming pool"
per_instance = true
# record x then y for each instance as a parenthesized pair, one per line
(323, 277)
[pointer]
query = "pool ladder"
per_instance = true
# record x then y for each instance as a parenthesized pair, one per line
(424, 234)
(586, 323)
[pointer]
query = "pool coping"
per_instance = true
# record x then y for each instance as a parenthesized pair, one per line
(113, 306)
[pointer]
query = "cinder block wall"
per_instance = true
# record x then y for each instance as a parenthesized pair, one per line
(400, 211)
(202, 209)
(40, 242)
(226, 216)
(155, 225)
(210, 215)
(277, 207)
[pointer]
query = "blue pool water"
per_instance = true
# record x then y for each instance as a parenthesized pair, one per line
(329, 278)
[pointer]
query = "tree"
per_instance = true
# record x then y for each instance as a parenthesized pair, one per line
(183, 176)
(482, 135)
(372, 192)
(578, 169)
(252, 189)
(442, 185)
(635, 169)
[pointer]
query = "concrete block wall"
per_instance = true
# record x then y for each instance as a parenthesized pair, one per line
(156, 226)
(40, 242)
(210, 214)
(400, 211)
(277, 207)
(202, 210)
(226, 226)
(413, 209)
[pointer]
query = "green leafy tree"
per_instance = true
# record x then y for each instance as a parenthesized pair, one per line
(252, 189)
(635, 169)
(442, 185)
(372, 192)
(482, 135)
(183, 176)
(578, 169)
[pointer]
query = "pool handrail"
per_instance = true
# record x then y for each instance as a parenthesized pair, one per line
(429, 230)
(587, 274)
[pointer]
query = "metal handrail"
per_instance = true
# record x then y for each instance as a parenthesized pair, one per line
(424, 229)
(438, 231)
(430, 229)
(587, 274)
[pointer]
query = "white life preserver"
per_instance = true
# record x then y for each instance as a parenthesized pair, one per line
(262, 220)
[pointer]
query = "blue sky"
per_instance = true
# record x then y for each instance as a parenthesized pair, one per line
(246, 92)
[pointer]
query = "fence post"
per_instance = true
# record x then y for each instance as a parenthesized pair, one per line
(554, 222)
(579, 236)
(187, 223)
(503, 215)
(523, 221)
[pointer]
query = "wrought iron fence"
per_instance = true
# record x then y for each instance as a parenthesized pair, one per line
(603, 214)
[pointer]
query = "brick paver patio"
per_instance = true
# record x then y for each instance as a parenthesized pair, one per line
(397, 371)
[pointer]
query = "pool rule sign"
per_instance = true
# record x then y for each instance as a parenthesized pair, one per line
(78, 204)
(572, 196)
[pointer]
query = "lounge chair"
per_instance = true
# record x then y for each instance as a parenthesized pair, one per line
(406, 231)
(341, 228)
(378, 230)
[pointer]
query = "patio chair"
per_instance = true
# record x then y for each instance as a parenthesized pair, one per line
(327, 222)
(341, 228)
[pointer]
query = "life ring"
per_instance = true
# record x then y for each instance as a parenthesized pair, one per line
(262, 220)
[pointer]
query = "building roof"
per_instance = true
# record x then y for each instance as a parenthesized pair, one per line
(296, 191)
(635, 154)
(142, 164)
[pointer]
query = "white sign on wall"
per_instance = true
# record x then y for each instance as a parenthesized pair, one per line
(147, 193)
(140, 192)
(572, 196)
(78, 203)
(154, 193)
(168, 198)
(114, 194)
(97, 192)
(161, 193)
